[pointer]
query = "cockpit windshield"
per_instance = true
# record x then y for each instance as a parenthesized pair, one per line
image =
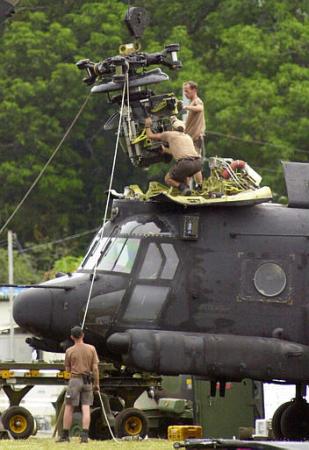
(112, 254)
(120, 255)
(93, 253)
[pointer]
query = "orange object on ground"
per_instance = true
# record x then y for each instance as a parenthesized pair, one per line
(182, 432)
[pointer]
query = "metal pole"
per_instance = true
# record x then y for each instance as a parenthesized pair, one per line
(11, 295)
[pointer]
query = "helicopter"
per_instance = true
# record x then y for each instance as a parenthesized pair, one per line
(201, 286)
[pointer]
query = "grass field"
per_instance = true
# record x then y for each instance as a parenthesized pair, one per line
(49, 444)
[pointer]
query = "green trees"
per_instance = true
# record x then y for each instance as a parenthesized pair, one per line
(250, 58)
(41, 91)
(24, 269)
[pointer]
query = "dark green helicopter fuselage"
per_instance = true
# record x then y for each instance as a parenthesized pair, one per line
(179, 290)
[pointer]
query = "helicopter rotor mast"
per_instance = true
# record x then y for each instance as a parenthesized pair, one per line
(130, 58)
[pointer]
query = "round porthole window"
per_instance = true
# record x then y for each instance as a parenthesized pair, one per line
(270, 279)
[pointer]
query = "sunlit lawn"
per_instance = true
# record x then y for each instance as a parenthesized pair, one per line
(49, 444)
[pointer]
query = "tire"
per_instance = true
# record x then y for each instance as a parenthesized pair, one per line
(35, 427)
(98, 429)
(131, 422)
(276, 421)
(18, 421)
(295, 421)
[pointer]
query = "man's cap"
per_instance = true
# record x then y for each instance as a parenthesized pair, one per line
(177, 124)
(77, 331)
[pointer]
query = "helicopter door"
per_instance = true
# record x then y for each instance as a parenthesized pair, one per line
(152, 285)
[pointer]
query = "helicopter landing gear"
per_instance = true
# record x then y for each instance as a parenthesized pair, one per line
(291, 419)
(276, 421)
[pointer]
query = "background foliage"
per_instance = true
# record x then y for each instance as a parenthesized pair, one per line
(250, 58)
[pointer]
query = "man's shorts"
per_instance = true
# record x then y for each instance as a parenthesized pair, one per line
(78, 392)
(185, 168)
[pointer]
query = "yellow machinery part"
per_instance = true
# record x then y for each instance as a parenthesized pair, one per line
(32, 373)
(133, 426)
(142, 136)
(18, 423)
(5, 374)
(64, 374)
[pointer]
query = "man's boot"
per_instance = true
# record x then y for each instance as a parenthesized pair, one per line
(198, 188)
(184, 189)
(84, 437)
(64, 436)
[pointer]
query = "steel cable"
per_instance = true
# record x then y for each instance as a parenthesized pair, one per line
(46, 165)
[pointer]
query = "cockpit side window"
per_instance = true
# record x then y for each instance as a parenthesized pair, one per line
(161, 261)
(146, 302)
(152, 263)
(171, 261)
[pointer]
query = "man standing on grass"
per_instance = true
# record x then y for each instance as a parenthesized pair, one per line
(81, 361)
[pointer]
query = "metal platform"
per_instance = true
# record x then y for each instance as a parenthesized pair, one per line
(112, 381)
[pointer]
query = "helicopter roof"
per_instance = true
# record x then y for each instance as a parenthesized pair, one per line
(159, 192)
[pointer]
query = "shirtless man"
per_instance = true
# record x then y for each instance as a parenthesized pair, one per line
(181, 147)
(81, 361)
(195, 123)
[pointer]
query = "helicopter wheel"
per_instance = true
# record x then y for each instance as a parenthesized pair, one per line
(131, 422)
(276, 421)
(295, 420)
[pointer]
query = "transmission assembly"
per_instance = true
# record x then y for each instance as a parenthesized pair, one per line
(127, 76)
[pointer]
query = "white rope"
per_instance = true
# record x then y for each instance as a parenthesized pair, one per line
(101, 237)
(107, 421)
(107, 205)
(45, 166)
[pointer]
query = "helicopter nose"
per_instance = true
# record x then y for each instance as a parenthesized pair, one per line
(32, 310)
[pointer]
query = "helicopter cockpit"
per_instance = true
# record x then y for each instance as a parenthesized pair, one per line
(116, 254)
(126, 72)
(137, 259)
(117, 251)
